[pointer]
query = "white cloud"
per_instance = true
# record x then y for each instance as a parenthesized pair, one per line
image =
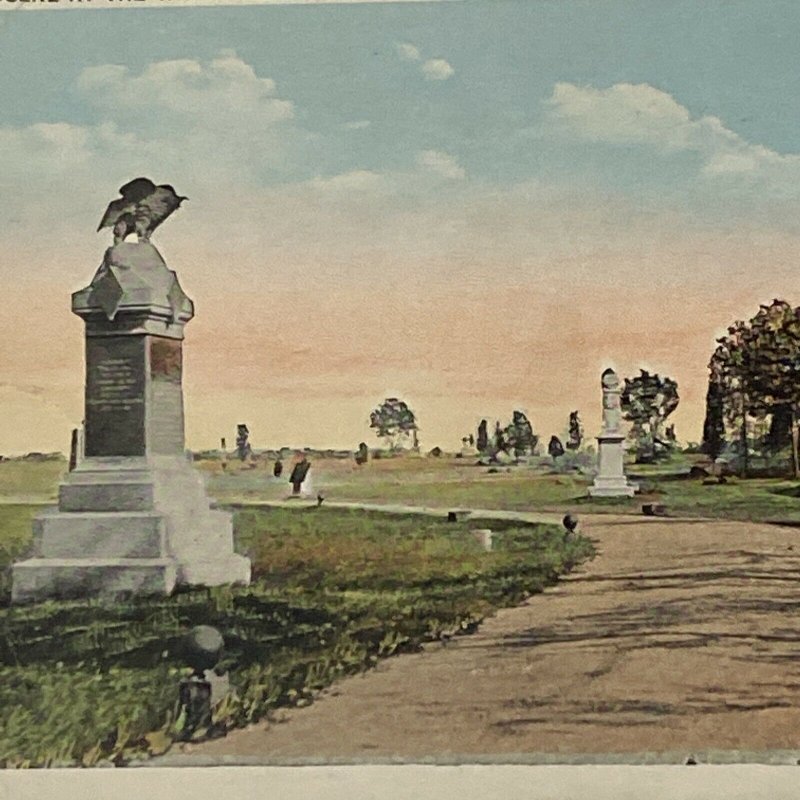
(354, 180)
(209, 128)
(43, 150)
(408, 51)
(442, 163)
(434, 69)
(622, 113)
(214, 90)
(357, 125)
(184, 113)
(437, 69)
(628, 113)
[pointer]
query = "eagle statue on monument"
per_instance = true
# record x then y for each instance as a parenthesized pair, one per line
(142, 207)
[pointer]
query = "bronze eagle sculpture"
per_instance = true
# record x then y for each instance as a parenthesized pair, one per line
(142, 207)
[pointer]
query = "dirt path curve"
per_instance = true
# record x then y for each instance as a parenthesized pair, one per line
(681, 635)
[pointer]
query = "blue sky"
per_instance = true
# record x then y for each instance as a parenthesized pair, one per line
(623, 177)
(734, 60)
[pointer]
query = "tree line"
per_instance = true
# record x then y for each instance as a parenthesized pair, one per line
(647, 400)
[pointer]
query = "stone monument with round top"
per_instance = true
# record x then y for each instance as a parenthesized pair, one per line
(611, 480)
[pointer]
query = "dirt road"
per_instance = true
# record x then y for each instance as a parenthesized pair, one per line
(679, 636)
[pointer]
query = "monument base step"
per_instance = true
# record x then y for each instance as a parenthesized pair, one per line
(69, 578)
(231, 568)
(109, 496)
(614, 490)
(127, 534)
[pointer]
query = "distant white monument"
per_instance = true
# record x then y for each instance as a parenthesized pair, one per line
(611, 480)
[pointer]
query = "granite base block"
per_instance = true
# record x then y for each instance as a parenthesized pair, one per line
(69, 578)
(612, 488)
(128, 534)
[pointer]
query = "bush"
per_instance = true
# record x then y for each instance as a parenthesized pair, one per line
(579, 461)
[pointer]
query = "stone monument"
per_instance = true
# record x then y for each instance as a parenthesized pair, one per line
(133, 516)
(611, 480)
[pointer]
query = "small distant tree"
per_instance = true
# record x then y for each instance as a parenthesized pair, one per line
(575, 432)
(647, 401)
(394, 422)
(519, 435)
(500, 442)
(714, 424)
(482, 440)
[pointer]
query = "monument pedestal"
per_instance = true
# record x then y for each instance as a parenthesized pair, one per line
(611, 480)
(133, 517)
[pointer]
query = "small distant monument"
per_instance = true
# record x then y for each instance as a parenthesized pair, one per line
(611, 480)
(243, 448)
(299, 474)
(133, 516)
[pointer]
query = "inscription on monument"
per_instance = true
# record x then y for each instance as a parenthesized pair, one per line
(115, 396)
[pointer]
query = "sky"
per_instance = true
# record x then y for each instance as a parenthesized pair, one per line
(474, 206)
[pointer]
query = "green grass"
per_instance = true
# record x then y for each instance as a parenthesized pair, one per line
(333, 592)
(457, 483)
(15, 539)
(417, 482)
(30, 481)
(754, 499)
(451, 483)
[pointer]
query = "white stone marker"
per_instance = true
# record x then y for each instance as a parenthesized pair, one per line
(611, 480)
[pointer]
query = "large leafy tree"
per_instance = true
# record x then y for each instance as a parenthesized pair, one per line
(759, 367)
(777, 363)
(393, 422)
(647, 401)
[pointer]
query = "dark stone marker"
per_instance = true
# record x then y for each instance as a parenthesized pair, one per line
(115, 399)
(654, 510)
(73, 450)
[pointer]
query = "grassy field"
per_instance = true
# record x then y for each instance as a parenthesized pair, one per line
(457, 483)
(333, 592)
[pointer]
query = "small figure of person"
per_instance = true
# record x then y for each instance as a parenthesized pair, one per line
(299, 473)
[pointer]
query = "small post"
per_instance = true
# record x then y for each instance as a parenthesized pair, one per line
(73, 450)
(202, 650)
